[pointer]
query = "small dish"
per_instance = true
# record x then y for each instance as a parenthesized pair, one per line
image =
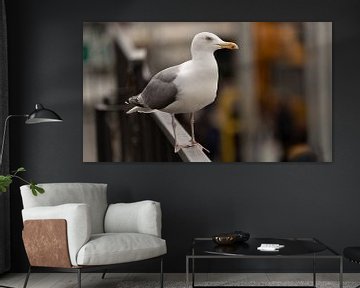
(225, 239)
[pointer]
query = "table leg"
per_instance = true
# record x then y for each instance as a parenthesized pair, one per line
(187, 272)
(193, 268)
(193, 272)
(314, 271)
(341, 273)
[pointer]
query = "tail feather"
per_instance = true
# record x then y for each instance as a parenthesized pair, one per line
(139, 105)
(136, 100)
(140, 110)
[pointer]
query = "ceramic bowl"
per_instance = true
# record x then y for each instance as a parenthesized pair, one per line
(225, 239)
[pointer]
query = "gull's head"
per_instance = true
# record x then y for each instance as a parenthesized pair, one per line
(209, 42)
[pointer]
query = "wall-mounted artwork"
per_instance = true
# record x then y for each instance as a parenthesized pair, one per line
(207, 92)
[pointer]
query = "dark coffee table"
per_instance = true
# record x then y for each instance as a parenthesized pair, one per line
(295, 248)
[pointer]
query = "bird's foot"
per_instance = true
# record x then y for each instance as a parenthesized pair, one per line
(178, 147)
(194, 143)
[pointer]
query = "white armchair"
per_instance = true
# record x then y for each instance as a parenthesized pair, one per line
(79, 231)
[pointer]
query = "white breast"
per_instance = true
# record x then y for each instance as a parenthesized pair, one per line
(197, 86)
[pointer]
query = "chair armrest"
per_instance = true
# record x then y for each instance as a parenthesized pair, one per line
(138, 217)
(52, 250)
(78, 223)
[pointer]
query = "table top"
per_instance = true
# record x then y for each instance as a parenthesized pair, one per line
(292, 247)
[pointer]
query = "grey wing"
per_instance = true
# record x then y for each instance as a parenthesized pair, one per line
(161, 90)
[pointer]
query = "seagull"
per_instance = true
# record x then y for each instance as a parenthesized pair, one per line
(187, 87)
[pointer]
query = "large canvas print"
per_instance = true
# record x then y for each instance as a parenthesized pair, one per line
(207, 92)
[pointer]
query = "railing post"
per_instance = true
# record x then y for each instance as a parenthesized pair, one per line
(104, 151)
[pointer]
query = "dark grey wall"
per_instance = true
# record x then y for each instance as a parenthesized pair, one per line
(320, 200)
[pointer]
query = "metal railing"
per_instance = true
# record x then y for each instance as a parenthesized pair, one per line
(130, 138)
(136, 137)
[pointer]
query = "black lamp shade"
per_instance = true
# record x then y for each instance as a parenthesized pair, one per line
(42, 115)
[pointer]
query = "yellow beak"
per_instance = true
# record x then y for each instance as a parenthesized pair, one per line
(228, 45)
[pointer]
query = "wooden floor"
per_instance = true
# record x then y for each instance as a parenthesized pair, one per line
(116, 280)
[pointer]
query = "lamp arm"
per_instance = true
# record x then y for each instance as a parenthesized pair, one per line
(4, 133)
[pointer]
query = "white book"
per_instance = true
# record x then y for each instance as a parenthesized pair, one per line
(270, 247)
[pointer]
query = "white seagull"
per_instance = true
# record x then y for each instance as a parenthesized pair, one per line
(185, 88)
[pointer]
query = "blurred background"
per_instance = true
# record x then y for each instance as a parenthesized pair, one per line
(274, 100)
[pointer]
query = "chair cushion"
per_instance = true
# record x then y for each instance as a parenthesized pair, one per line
(137, 217)
(352, 253)
(114, 248)
(92, 194)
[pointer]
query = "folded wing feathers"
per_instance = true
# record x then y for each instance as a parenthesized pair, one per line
(159, 93)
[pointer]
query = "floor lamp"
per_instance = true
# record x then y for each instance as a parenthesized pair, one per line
(39, 115)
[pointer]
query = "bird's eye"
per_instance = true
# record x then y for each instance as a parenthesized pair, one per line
(208, 38)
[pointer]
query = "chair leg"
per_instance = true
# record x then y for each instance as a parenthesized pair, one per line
(79, 277)
(103, 275)
(161, 273)
(27, 277)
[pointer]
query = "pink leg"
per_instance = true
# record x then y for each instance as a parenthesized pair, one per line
(193, 141)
